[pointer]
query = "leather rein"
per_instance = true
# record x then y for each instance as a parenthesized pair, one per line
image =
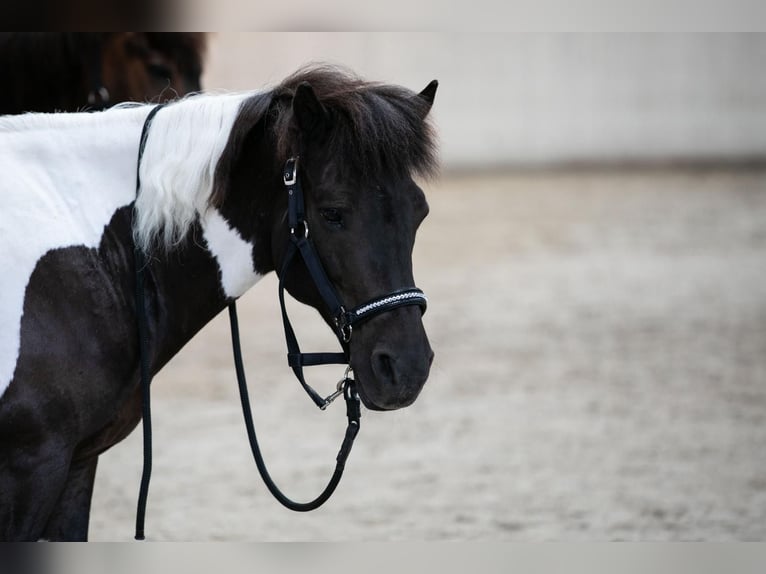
(344, 322)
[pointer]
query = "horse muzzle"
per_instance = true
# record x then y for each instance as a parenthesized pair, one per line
(391, 358)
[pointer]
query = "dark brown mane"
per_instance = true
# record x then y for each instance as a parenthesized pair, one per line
(381, 130)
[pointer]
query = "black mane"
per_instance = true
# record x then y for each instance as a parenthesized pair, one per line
(379, 127)
(382, 130)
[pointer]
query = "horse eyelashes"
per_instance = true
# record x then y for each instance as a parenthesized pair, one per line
(332, 216)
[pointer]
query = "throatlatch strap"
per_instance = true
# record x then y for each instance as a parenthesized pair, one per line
(295, 358)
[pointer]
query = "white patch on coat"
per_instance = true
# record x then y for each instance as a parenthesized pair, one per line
(233, 254)
(65, 175)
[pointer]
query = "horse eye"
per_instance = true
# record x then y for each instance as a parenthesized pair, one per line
(332, 216)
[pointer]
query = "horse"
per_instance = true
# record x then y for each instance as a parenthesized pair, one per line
(210, 217)
(69, 72)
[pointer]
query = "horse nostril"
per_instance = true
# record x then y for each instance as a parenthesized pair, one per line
(383, 367)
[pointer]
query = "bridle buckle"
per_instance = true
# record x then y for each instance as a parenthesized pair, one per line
(343, 388)
(344, 326)
(290, 174)
(305, 226)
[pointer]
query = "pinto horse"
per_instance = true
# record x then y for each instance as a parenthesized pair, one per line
(73, 71)
(211, 217)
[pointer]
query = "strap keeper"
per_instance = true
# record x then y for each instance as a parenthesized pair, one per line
(294, 360)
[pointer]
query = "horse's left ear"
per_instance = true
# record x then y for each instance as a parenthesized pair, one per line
(429, 93)
(310, 115)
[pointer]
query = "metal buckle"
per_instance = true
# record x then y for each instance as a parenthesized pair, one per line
(290, 175)
(344, 327)
(339, 389)
(305, 226)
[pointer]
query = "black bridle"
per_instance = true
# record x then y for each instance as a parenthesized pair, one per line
(344, 322)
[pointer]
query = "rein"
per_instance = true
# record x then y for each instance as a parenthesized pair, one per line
(344, 322)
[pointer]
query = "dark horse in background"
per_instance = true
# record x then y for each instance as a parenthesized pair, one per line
(74, 71)
(211, 216)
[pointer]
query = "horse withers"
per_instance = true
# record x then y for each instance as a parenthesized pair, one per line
(211, 216)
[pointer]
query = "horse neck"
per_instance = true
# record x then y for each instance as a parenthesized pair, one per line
(82, 169)
(183, 293)
(200, 258)
(189, 285)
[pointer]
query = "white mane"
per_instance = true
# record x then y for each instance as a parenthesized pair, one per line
(185, 142)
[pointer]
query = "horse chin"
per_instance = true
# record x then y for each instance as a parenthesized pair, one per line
(379, 404)
(368, 403)
(386, 395)
(391, 358)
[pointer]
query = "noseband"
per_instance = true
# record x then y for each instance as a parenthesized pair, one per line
(343, 320)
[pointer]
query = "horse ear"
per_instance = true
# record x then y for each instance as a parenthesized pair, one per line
(429, 93)
(310, 114)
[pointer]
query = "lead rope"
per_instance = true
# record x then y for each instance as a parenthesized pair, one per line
(347, 386)
(143, 348)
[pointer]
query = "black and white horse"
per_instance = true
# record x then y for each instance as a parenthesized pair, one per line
(211, 217)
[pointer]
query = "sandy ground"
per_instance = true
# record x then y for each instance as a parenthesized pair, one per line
(600, 374)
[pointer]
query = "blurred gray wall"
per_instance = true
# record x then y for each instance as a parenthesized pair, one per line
(539, 99)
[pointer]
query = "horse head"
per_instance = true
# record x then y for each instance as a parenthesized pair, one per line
(359, 146)
(149, 66)
(364, 219)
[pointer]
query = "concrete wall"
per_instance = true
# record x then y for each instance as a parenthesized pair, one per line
(539, 98)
